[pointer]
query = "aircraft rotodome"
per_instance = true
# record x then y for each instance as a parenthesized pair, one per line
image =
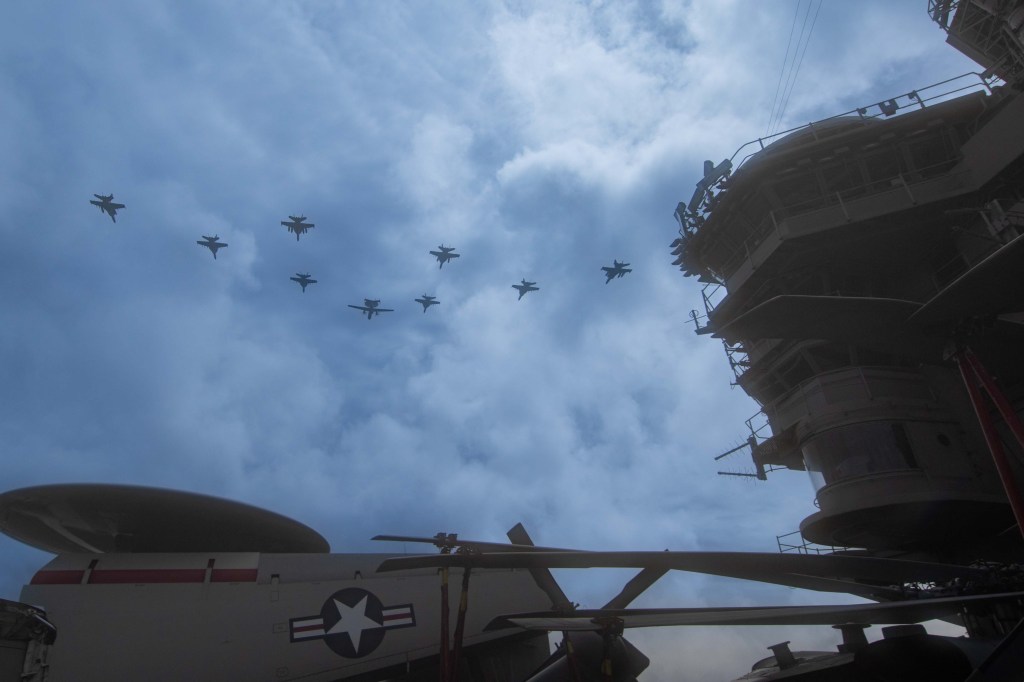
(371, 307)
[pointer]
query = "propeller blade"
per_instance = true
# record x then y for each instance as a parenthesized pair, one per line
(821, 572)
(992, 276)
(480, 545)
(542, 576)
(635, 587)
(889, 613)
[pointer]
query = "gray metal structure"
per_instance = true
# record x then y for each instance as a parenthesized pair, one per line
(862, 273)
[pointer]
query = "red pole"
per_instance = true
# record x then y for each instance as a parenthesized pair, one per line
(570, 655)
(995, 446)
(460, 626)
(997, 396)
(444, 625)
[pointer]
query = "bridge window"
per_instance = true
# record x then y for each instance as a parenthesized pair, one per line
(857, 450)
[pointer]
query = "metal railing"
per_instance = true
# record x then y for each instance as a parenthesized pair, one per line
(941, 10)
(693, 217)
(843, 199)
(801, 546)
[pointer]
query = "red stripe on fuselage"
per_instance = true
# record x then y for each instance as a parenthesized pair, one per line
(233, 575)
(115, 576)
(147, 575)
(57, 577)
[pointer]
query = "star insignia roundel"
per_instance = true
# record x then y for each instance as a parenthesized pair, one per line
(352, 622)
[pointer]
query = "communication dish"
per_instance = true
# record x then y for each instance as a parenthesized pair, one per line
(100, 518)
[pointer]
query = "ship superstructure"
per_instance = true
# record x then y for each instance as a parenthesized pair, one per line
(847, 265)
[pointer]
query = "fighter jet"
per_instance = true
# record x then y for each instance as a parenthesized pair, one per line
(617, 269)
(106, 205)
(427, 301)
(370, 308)
(444, 255)
(211, 243)
(524, 287)
(297, 225)
(303, 280)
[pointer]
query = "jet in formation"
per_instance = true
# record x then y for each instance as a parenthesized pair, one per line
(427, 301)
(303, 280)
(370, 308)
(524, 288)
(211, 243)
(106, 205)
(297, 224)
(444, 255)
(617, 269)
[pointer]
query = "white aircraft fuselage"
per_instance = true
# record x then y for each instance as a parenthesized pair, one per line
(250, 616)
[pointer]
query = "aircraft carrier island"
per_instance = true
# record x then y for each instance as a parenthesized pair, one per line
(864, 275)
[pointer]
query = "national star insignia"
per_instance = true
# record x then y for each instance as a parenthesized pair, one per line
(352, 620)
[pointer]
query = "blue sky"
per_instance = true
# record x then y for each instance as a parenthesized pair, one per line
(541, 139)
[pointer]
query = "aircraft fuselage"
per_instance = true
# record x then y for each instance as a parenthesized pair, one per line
(222, 616)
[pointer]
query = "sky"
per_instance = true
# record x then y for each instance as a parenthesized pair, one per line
(541, 139)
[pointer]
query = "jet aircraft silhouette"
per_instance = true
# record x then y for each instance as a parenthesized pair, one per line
(617, 269)
(427, 301)
(370, 308)
(298, 225)
(303, 280)
(106, 205)
(524, 288)
(212, 244)
(444, 255)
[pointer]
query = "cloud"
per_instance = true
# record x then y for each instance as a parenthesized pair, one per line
(541, 140)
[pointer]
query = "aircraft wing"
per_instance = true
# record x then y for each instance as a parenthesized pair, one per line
(115, 206)
(383, 310)
(866, 576)
(910, 611)
(359, 307)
